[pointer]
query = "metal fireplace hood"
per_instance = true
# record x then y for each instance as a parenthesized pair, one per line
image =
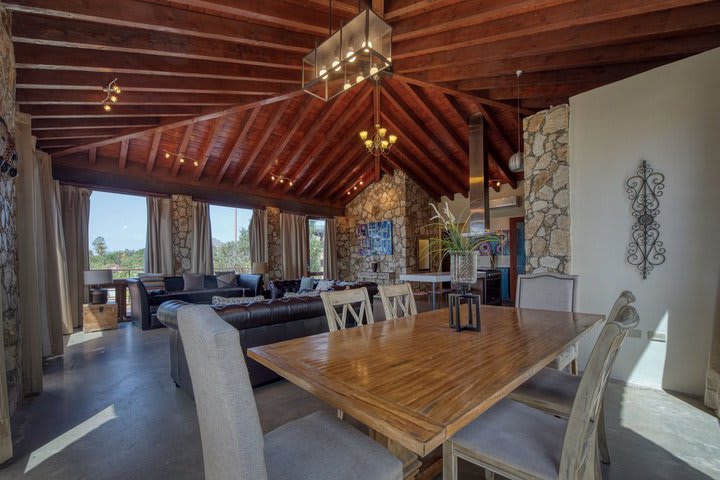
(479, 194)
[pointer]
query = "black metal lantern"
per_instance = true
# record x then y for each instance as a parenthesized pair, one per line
(473, 307)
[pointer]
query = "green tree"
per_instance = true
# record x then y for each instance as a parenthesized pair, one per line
(316, 231)
(233, 255)
(100, 246)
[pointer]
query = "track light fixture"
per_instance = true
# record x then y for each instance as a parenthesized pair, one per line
(181, 158)
(111, 95)
(355, 187)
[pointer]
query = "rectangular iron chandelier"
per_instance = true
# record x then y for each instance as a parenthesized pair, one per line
(360, 49)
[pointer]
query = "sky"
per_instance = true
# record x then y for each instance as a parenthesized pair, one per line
(122, 220)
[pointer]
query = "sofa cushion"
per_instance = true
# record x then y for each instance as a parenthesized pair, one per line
(325, 285)
(193, 281)
(305, 293)
(306, 283)
(218, 301)
(227, 280)
(152, 281)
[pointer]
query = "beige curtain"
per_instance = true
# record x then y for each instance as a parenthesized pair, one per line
(258, 236)
(75, 207)
(158, 244)
(712, 383)
(330, 250)
(294, 240)
(201, 254)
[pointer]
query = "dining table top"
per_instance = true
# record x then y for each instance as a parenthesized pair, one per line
(415, 379)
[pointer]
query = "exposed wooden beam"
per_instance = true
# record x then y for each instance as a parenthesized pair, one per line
(40, 57)
(556, 24)
(74, 97)
(152, 156)
(201, 118)
(182, 148)
(343, 155)
(361, 161)
(307, 107)
(429, 183)
(54, 124)
(268, 130)
(378, 6)
(135, 14)
(118, 111)
(408, 8)
(544, 91)
(122, 159)
(238, 143)
(209, 146)
(377, 174)
(364, 169)
(77, 133)
(92, 156)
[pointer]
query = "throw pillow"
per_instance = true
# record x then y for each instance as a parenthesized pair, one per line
(306, 283)
(193, 281)
(152, 281)
(218, 301)
(324, 285)
(306, 293)
(227, 280)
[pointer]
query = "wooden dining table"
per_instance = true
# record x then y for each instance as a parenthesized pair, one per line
(415, 381)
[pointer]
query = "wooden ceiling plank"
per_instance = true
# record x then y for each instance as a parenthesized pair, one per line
(152, 156)
(197, 119)
(360, 103)
(360, 161)
(42, 57)
(268, 130)
(90, 123)
(135, 14)
(364, 169)
(182, 148)
(600, 21)
(238, 143)
(428, 183)
(305, 109)
(209, 145)
(75, 97)
(123, 153)
(409, 8)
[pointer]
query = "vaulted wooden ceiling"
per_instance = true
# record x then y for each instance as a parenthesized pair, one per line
(218, 80)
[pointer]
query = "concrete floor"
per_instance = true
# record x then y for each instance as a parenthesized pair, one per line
(110, 411)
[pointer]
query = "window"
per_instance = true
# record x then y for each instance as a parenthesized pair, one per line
(316, 245)
(117, 229)
(231, 239)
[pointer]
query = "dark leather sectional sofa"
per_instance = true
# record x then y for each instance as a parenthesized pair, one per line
(144, 304)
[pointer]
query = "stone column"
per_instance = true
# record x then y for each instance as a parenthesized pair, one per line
(547, 194)
(274, 246)
(182, 231)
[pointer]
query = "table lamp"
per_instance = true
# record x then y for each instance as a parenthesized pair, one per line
(96, 278)
(259, 268)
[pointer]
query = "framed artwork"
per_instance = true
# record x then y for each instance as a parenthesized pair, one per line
(375, 238)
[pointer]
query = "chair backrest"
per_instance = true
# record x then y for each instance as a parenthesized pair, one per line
(232, 439)
(580, 444)
(547, 291)
(347, 299)
(398, 300)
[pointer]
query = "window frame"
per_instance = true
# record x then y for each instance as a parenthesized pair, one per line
(310, 273)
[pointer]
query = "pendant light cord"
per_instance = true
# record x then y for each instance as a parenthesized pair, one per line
(519, 129)
(330, 21)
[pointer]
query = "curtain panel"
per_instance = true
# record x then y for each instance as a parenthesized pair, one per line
(158, 243)
(330, 250)
(712, 381)
(201, 254)
(294, 240)
(75, 206)
(258, 236)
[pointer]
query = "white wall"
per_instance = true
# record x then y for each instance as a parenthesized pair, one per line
(670, 117)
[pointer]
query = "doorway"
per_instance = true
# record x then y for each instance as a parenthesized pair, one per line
(517, 253)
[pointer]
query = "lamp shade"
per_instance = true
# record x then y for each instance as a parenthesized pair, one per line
(259, 268)
(97, 277)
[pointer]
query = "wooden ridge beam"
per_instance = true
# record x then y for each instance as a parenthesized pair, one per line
(268, 130)
(122, 159)
(600, 21)
(307, 106)
(181, 149)
(198, 119)
(95, 81)
(628, 53)
(74, 97)
(400, 9)
(135, 14)
(209, 145)
(238, 143)
(60, 32)
(41, 57)
(152, 156)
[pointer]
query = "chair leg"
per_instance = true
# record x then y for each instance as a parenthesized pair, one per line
(602, 440)
(449, 462)
(574, 366)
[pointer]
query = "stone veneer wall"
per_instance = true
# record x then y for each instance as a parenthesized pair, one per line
(547, 195)
(182, 232)
(12, 336)
(274, 245)
(396, 198)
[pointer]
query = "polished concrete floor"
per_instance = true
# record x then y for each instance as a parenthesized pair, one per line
(110, 411)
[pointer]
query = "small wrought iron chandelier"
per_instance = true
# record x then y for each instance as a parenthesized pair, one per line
(379, 142)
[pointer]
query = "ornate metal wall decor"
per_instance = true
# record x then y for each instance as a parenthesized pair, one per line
(646, 250)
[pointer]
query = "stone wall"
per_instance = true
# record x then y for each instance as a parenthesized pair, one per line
(182, 232)
(8, 234)
(274, 245)
(396, 198)
(547, 195)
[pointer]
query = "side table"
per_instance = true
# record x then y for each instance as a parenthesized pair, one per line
(100, 317)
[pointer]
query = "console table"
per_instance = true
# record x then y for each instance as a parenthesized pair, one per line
(381, 278)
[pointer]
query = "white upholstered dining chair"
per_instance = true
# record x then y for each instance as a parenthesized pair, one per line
(524, 443)
(347, 300)
(554, 391)
(550, 291)
(398, 300)
(314, 447)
